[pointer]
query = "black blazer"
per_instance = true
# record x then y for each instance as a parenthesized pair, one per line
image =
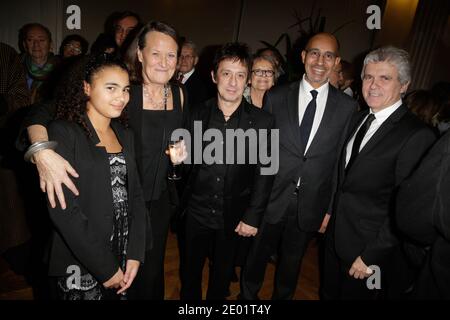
(423, 213)
(196, 89)
(83, 230)
(363, 211)
(315, 167)
(246, 190)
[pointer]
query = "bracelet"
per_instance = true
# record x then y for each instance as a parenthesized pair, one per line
(38, 146)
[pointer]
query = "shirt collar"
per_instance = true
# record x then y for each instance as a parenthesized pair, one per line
(236, 112)
(307, 87)
(187, 75)
(386, 112)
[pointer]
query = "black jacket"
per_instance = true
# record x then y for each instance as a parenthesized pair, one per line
(246, 190)
(364, 209)
(423, 213)
(316, 166)
(197, 91)
(83, 229)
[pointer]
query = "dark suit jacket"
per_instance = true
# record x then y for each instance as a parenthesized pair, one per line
(196, 89)
(423, 213)
(315, 167)
(246, 190)
(363, 212)
(83, 230)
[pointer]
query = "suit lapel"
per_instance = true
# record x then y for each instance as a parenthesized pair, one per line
(354, 124)
(293, 106)
(382, 131)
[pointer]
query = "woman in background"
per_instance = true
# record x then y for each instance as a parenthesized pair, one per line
(263, 77)
(73, 45)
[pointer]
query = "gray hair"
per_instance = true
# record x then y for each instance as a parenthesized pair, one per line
(192, 45)
(272, 62)
(399, 58)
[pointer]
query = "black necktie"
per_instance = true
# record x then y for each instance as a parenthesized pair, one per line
(308, 119)
(359, 138)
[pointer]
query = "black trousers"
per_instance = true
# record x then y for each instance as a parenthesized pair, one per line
(202, 242)
(291, 243)
(149, 282)
(396, 276)
(337, 284)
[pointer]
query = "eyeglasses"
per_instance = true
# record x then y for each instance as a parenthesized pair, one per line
(316, 54)
(263, 73)
(74, 48)
(187, 57)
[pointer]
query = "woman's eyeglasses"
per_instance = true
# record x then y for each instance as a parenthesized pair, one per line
(263, 73)
(73, 47)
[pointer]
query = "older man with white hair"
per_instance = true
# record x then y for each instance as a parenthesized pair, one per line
(384, 144)
(187, 74)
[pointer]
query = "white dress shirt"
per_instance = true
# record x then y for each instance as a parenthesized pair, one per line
(187, 75)
(304, 97)
(349, 92)
(380, 117)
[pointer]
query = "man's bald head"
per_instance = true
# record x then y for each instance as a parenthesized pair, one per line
(320, 56)
(324, 36)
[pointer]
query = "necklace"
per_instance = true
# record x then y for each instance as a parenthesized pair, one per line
(159, 105)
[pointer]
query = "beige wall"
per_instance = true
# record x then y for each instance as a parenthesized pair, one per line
(209, 22)
(205, 22)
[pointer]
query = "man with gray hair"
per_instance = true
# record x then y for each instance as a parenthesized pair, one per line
(187, 75)
(363, 252)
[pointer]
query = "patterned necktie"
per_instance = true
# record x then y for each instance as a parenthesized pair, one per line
(308, 119)
(359, 138)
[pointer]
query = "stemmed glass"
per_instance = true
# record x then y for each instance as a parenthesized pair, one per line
(175, 149)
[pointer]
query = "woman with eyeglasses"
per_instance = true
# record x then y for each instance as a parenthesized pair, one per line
(263, 77)
(73, 45)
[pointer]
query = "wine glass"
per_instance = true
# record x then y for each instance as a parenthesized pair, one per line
(174, 150)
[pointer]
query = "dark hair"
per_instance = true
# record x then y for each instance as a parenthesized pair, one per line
(74, 37)
(26, 28)
(235, 51)
(348, 70)
(157, 26)
(70, 97)
(139, 42)
(103, 42)
(441, 92)
(423, 105)
(113, 19)
(276, 53)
